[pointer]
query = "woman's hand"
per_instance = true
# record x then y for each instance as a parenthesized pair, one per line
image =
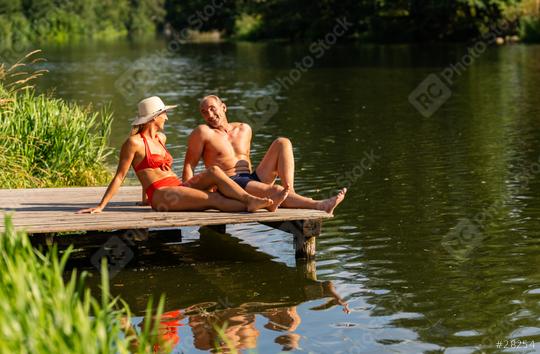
(95, 210)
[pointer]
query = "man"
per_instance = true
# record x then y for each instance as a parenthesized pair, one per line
(227, 145)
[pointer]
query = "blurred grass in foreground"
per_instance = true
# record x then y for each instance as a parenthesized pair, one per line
(42, 313)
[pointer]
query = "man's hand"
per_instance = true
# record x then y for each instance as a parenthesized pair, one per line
(95, 210)
(192, 182)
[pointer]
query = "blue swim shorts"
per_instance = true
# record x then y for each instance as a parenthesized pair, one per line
(242, 179)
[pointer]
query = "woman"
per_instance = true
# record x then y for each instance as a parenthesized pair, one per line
(145, 151)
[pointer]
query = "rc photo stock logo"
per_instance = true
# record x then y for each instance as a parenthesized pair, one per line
(434, 90)
(430, 95)
(460, 241)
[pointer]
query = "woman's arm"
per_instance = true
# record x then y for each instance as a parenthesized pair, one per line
(126, 158)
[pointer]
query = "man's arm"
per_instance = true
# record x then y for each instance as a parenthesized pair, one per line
(193, 154)
(249, 136)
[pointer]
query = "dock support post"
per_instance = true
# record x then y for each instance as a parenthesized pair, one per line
(308, 268)
(305, 233)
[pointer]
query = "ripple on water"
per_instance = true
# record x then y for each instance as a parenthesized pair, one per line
(525, 332)
(471, 333)
(345, 325)
(331, 240)
(327, 262)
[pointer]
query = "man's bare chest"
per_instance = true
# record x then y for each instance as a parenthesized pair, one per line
(222, 145)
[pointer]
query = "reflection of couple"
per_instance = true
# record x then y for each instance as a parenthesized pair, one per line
(226, 330)
(224, 148)
(235, 328)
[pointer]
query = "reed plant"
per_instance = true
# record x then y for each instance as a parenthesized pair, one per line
(45, 141)
(40, 312)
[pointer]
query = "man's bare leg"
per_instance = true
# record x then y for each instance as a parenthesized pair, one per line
(214, 176)
(278, 162)
(294, 200)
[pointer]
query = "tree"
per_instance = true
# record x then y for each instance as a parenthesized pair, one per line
(145, 15)
(202, 15)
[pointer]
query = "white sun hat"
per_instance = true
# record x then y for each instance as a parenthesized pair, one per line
(149, 108)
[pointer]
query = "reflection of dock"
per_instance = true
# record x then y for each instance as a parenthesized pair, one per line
(218, 282)
(218, 270)
(53, 210)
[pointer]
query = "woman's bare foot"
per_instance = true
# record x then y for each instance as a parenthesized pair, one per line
(256, 203)
(278, 198)
(330, 204)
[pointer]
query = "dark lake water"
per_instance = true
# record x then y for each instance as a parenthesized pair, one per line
(435, 249)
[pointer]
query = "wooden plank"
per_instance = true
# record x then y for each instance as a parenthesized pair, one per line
(53, 210)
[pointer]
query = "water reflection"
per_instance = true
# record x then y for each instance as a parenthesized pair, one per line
(217, 283)
(226, 330)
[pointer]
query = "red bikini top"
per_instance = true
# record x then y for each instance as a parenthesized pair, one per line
(154, 160)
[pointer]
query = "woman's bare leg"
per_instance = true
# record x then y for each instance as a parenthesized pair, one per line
(190, 199)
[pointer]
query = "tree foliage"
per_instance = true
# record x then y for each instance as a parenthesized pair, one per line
(61, 20)
(385, 20)
(379, 20)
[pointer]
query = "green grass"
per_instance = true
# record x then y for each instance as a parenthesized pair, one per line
(45, 141)
(42, 313)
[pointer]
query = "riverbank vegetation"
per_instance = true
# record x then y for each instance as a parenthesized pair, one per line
(530, 21)
(38, 21)
(45, 141)
(373, 20)
(40, 312)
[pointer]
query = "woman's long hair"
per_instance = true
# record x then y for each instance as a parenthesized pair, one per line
(136, 129)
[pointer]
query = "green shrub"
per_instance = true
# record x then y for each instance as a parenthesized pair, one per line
(47, 142)
(247, 26)
(39, 21)
(530, 29)
(14, 29)
(44, 141)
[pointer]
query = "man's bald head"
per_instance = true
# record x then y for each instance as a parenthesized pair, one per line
(213, 111)
(210, 97)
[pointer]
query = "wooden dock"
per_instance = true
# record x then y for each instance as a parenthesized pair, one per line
(52, 210)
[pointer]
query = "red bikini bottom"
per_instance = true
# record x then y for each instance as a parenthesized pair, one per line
(165, 182)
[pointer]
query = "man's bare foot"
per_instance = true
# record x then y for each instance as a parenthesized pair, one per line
(278, 198)
(330, 204)
(256, 203)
